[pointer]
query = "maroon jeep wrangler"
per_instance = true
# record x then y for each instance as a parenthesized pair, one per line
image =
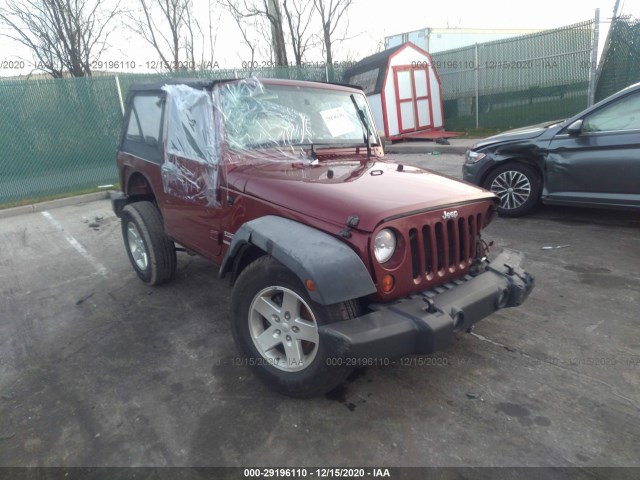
(338, 257)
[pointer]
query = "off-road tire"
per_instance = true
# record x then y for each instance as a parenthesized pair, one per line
(321, 374)
(145, 221)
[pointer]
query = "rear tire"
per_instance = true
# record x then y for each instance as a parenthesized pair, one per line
(151, 252)
(517, 185)
(275, 327)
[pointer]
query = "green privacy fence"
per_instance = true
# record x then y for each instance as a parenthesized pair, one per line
(59, 136)
(620, 64)
(56, 136)
(518, 81)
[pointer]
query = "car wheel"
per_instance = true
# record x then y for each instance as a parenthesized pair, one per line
(275, 327)
(151, 252)
(517, 185)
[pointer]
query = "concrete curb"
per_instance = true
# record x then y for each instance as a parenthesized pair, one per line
(60, 202)
(421, 148)
(457, 146)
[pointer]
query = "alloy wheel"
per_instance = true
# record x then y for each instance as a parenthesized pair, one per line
(283, 329)
(137, 247)
(513, 188)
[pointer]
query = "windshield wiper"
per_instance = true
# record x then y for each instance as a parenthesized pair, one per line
(365, 124)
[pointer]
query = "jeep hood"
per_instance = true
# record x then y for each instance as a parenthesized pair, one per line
(371, 189)
(524, 133)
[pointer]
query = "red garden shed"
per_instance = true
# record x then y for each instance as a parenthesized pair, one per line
(403, 89)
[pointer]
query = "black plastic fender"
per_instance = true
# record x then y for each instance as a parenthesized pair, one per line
(336, 270)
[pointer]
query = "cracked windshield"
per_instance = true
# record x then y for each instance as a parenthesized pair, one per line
(272, 116)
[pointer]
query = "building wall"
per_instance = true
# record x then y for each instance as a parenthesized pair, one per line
(375, 102)
(407, 57)
(403, 57)
(439, 39)
(436, 100)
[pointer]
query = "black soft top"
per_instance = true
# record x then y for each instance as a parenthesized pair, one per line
(209, 84)
(194, 83)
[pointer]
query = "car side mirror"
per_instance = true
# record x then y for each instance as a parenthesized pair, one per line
(575, 128)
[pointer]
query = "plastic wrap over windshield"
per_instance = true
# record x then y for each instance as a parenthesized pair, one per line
(277, 122)
(190, 169)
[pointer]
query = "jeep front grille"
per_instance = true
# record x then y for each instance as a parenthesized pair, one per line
(444, 247)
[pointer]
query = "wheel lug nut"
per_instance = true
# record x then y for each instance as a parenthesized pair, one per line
(277, 332)
(288, 338)
(275, 318)
(287, 316)
(295, 329)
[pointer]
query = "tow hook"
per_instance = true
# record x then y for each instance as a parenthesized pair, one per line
(431, 306)
(511, 272)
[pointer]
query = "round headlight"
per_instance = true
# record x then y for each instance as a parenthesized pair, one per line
(384, 245)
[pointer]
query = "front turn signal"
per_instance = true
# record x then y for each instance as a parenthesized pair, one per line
(388, 283)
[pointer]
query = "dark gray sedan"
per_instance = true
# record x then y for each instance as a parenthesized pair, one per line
(591, 159)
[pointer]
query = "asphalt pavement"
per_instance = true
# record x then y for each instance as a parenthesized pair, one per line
(97, 369)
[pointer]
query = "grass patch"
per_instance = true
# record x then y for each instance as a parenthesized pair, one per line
(480, 132)
(57, 196)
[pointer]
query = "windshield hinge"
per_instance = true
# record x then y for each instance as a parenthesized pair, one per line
(353, 221)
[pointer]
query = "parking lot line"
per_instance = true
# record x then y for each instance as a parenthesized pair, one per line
(101, 269)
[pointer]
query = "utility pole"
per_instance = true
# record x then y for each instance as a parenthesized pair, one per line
(593, 67)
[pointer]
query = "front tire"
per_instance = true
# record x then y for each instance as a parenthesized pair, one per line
(275, 327)
(151, 252)
(517, 185)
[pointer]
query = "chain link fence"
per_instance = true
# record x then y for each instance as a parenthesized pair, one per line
(56, 136)
(59, 136)
(620, 63)
(518, 81)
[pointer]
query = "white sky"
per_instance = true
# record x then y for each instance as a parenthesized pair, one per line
(369, 21)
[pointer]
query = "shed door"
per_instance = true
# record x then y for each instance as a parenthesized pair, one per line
(413, 98)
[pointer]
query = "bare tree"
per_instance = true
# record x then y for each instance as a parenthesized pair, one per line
(191, 24)
(263, 30)
(299, 14)
(213, 36)
(64, 36)
(331, 12)
(247, 26)
(274, 14)
(269, 9)
(168, 26)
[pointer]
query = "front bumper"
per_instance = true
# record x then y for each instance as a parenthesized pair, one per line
(425, 323)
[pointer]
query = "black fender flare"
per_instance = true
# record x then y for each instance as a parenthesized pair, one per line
(335, 269)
